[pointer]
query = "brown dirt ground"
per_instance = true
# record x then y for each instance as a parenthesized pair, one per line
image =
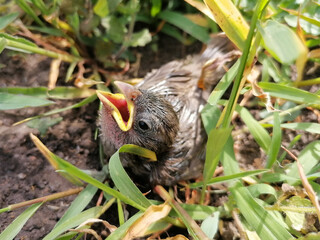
(25, 174)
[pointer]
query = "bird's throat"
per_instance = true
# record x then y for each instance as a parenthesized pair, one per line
(122, 106)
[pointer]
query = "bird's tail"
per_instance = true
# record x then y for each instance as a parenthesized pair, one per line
(219, 55)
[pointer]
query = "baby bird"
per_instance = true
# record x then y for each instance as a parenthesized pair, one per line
(162, 114)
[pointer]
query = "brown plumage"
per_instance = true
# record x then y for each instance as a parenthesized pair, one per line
(165, 115)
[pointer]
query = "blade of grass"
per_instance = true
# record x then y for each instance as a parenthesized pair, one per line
(7, 19)
(216, 141)
(244, 66)
(275, 141)
(306, 126)
(121, 178)
(77, 105)
(56, 93)
(14, 101)
(27, 9)
(228, 159)
(14, 228)
(77, 173)
(81, 201)
(227, 178)
(266, 226)
(19, 44)
(230, 20)
(73, 222)
(185, 24)
(258, 132)
(193, 228)
(290, 93)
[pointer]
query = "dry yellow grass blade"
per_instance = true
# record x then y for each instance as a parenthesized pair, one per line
(151, 215)
(54, 73)
(230, 20)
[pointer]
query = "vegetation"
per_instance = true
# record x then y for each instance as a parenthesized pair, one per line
(96, 38)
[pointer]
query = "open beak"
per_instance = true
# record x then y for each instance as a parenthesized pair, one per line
(120, 105)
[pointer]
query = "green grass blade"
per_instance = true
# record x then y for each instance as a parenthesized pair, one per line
(230, 20)
(72, 171)
(77, 105)
(306, 126)
(281, 42)
(14, 228)
(308, 158)
(275, 141)
(290, 93)
(223, 84)
(228, 159)
(73, 222)
(7, 19)
(13, 101)
(258, 132)
(77, 206)
(245, 63)
(56, 93)
(216, 141)
(266, 226)
(122, 180)
(27, 9)
(180, 21)
(231, 177)
(118, 234)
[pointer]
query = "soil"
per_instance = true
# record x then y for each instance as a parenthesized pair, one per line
(25, 174)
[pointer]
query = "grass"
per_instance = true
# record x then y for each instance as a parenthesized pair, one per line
(275, 43)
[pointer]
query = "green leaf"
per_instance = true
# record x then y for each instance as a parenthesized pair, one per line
(120, 231)
(308, 158)
(73, 222)
(230, 20)
(140, 39)
(14, 228)
(281, 42)
(210, 225)
(306, 126)
(80, 203)
(3, 44)
(196, 211)
(156, 7)
(12, 101)
(290, 93)
(266, 226)
(101, 8)
(121, 178)
(258, 189)
(72, 171)
(228, 158)
(210, 115)
(223, 84)
(275, 141)
(27, 9)
(7, 19)
(258, 132)
(42, 124)
(77, 105)
(216, 141)
(180, 21)
(230, 177)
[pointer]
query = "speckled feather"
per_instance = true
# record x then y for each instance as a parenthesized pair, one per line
(171, 101)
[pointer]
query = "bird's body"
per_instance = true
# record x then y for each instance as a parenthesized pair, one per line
(166, 116)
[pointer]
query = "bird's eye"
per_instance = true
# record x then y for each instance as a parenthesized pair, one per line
(143, 125)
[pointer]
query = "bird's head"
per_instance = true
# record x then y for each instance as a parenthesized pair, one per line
(138, 117)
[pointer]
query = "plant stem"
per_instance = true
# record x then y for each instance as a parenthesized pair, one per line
(42, 199)
(15, 45)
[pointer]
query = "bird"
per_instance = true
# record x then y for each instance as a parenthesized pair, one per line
(162, 114)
